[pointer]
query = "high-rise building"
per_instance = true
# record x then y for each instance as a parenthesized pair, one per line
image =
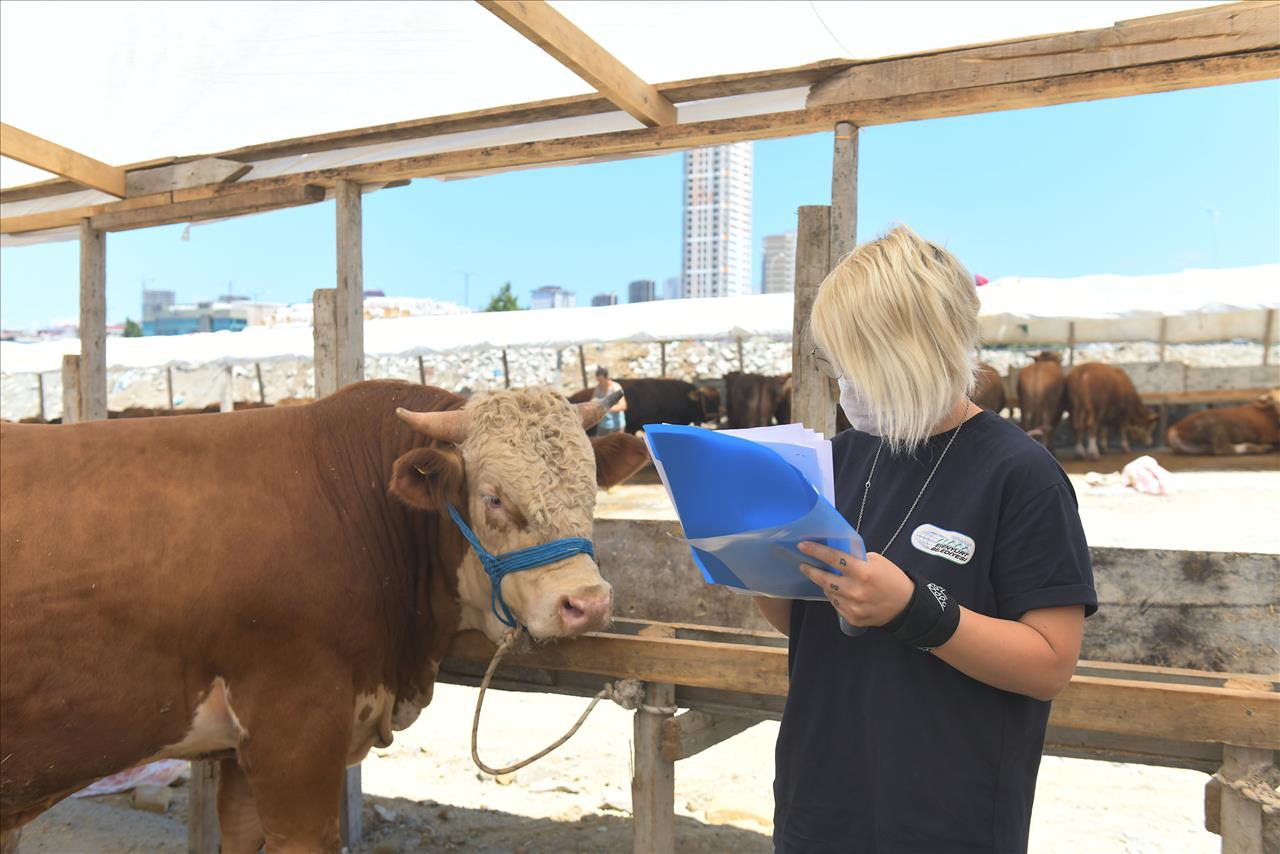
(671, 288)
(717, 221)
(610, 298)
(642, 290)
(779, 269)
(553, 296)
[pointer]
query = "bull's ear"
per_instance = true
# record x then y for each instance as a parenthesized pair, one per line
(618, 456)
(428, 478)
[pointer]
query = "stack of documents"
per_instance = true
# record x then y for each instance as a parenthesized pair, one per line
(747, 498)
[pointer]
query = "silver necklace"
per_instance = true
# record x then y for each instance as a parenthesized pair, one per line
(867, 489)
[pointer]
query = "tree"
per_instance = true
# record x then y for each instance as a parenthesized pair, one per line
(503, 300)
(132, 329)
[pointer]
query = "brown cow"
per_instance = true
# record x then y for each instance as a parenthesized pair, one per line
(1040, 396)
(620, 456)
(988, 389)
(1250, 429)
(754, 400)
(1103, 400)
(274, 588)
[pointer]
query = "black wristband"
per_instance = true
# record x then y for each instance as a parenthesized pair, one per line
(930, 618)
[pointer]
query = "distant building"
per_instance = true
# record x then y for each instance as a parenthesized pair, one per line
(553, 296)
(205, 316)
(610, 298)
(642, 290)
(154, 302)
(374, 293)
(717, 221)
(671, 288)
(779, 268)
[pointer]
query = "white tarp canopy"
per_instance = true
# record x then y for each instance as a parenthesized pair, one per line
(128, 82)
(1200, 305)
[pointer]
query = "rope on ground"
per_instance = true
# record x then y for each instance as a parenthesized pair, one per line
(628, 693)
(1256, 788)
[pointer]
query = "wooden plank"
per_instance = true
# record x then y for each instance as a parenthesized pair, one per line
(350, 820)
(93, 323)
(695, 731)
(844, 191)
(228, 400)
(422, 372)
(71, 216)
(541, 24)
(506, 371)
(202, 811)
(324, 337)
(191, 173)
(1240, 819)
(653, 775)
(582, 364)
(70, 388)
(40, 393)
(1268, 335)
(1211, 31)
(1111, 747)
(235, 204)
(35, 151)
(262, 387)
(1215, 397)
(350, 305)
(168, 384)
(812, 403)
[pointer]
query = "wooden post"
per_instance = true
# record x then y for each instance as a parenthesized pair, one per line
(582, 363)
(350, 295)
(1268, 336)
(844, 192)
(350, 824)
(742, 364)
(202, 810)
(324, 332)
(93, 323)
(662, 352)
(813, 403)
(653, 778)
(1164, 336)
(422, 372)
(40, 393)
(168, 382)
(1071, 343)
(1240, 817)
(228, 403)
(70, 388)
(262, 388)
(506, 370)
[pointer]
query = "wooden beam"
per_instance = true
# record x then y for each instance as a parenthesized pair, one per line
(93, 323)
(70, 388)
(203, 836)
(179, 176)
(541, 24)
(695, 731)
(1212, 31)
(350, 287)
(811, 402)
(234, 204)
(34, 151)
(653, 775)
(324, 338)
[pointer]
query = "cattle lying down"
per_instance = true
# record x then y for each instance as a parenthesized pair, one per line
(1103, 401)
(274, 588)
(1251, 429)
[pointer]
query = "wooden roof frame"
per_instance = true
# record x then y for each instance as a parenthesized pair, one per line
(36, 151)
(1231, 43)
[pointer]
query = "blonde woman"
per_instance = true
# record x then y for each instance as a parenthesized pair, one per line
(924, 734)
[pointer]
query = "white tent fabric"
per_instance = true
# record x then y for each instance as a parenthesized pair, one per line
(126, 82)
(1200, 305)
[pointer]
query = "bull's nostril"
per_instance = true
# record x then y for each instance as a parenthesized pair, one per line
(571, 610)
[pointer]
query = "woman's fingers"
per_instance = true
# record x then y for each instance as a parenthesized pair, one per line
(843, 562)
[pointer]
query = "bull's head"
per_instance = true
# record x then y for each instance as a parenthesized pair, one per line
(521, 473)
(1141, 426)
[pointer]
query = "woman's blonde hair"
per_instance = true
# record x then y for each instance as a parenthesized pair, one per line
(899, 317)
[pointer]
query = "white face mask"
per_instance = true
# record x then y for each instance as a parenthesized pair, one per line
(855, 408)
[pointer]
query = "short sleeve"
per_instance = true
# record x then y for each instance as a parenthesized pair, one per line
(1042, 558)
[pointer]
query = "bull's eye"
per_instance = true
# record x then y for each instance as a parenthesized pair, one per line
(493, 502)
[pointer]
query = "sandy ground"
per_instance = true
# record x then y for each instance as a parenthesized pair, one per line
(424, 794)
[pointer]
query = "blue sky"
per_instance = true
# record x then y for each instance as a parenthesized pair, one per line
(1150, 184)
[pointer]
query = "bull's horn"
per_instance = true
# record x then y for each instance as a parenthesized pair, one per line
(448, 426)
(593, 410)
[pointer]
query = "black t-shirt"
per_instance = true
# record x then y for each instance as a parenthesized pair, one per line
(884, 748)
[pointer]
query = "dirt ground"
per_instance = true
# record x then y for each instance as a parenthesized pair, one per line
(424, 794)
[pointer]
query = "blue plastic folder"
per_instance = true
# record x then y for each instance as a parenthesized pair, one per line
(745, 509)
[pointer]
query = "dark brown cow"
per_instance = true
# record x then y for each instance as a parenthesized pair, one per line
(653, 400)
(1102, 400)
(1041, 390)
(1250, 429)
(274, 588)
(988, 389)
(754, 400)
(621, 455)
(709, 397)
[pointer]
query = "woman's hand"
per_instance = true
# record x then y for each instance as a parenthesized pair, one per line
(867, 592)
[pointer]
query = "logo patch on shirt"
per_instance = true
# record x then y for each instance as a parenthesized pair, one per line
(951, 545)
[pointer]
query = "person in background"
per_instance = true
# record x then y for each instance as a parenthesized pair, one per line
(924, 734)
(613, 420)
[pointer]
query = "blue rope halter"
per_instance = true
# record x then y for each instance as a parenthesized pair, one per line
(498, 567)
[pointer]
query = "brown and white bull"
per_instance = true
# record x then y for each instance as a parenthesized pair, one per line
(273, 588)
(1040, 396)
(1103, 401)
(1250, 429)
